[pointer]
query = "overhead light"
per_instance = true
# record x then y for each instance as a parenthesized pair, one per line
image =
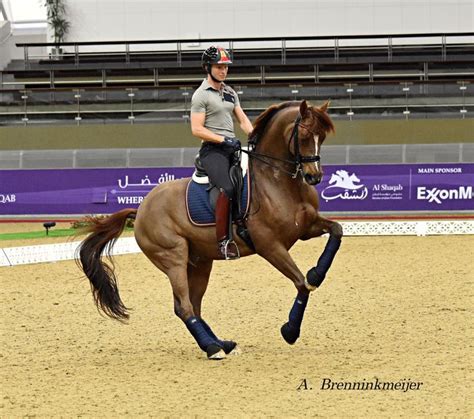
(462, 87)
(350, 113)
(78, 118)
(25, 119)
(406, 112)
(406, 89)
(131, 117)
(463, 110)
(350, 90)
(77, 96)
(240, 92)
(24, 97)
(295, 91)
(185, 93)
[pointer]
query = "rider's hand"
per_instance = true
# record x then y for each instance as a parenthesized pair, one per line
(252, 139)
(234, 143)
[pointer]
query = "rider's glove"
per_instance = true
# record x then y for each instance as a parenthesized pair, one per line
(234, 143)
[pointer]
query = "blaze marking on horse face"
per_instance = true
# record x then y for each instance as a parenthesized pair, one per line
(316, 147)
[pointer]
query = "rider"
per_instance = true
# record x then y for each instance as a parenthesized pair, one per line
(212, 106)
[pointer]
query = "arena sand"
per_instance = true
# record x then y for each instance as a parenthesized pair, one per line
(392, 308)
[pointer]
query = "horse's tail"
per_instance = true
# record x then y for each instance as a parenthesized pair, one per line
(104, 234)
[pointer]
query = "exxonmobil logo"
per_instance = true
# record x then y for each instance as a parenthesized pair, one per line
(439, 195)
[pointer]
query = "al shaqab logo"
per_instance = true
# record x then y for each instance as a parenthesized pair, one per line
(343, 186)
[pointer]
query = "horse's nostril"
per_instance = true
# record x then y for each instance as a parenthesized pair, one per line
(311, 179)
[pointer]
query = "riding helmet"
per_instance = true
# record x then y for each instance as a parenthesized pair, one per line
(214, 55)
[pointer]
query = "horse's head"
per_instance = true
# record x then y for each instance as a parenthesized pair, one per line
(302, 136)
(311, 128)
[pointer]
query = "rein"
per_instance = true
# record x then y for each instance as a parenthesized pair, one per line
(298, 160)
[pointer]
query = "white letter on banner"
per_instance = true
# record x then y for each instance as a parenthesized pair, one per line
(420, 192)
(465, 192)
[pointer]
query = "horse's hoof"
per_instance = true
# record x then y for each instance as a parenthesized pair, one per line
(289, 334)
(228, 346)
(236, 351)
(215, 352)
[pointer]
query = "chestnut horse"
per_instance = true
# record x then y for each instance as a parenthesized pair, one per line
(284, 167)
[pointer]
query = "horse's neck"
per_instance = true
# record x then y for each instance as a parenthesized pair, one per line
(277, 194)
(274, 179)
(272, 143)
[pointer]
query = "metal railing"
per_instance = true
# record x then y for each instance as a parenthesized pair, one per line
(441, 44)
(157, 104)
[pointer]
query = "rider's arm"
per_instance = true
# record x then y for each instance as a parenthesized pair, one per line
(199, 130)
(244, 121)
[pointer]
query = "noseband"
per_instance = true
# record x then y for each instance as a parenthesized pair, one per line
(299, 159)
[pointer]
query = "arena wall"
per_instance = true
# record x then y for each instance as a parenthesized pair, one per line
(180, 19)
(421, 131)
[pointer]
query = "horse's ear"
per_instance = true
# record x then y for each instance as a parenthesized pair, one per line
(325, 106)
(303, 108)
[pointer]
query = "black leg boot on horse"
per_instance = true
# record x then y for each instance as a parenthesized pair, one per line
(226, 246)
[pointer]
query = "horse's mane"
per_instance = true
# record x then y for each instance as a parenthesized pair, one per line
(262, 120)
(324, 120)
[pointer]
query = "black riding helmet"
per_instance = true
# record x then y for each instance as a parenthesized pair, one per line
(214, 55)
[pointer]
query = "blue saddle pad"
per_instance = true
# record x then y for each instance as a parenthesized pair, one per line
(198, 206)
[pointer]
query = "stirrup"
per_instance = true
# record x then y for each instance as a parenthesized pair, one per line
(229, 254)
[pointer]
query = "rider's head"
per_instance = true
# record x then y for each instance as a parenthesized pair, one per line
(214, 57)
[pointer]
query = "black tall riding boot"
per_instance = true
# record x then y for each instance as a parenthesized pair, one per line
(226, 246)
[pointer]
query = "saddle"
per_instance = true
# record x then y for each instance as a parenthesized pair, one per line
(201, 196)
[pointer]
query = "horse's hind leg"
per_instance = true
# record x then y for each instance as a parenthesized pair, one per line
(183, 308)
(173, 262)
(198, 279)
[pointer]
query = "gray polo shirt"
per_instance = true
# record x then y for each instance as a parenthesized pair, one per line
(218, 107)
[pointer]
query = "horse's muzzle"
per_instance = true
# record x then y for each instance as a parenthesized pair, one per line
(312, 179)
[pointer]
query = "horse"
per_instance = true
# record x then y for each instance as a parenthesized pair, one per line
(285, 166)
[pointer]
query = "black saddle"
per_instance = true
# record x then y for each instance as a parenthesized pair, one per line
(236, 177)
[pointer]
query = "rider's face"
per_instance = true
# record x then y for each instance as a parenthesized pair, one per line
(219, 71)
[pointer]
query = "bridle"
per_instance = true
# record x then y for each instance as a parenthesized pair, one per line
(298, 160)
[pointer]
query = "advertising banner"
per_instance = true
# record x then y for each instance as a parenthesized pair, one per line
(79, 191)
(398, 187)
(345, 188)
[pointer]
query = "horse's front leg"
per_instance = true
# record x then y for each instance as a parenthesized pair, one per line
(279, 257)
(316, 275)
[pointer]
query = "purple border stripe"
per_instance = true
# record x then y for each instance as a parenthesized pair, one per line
(345, 188)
